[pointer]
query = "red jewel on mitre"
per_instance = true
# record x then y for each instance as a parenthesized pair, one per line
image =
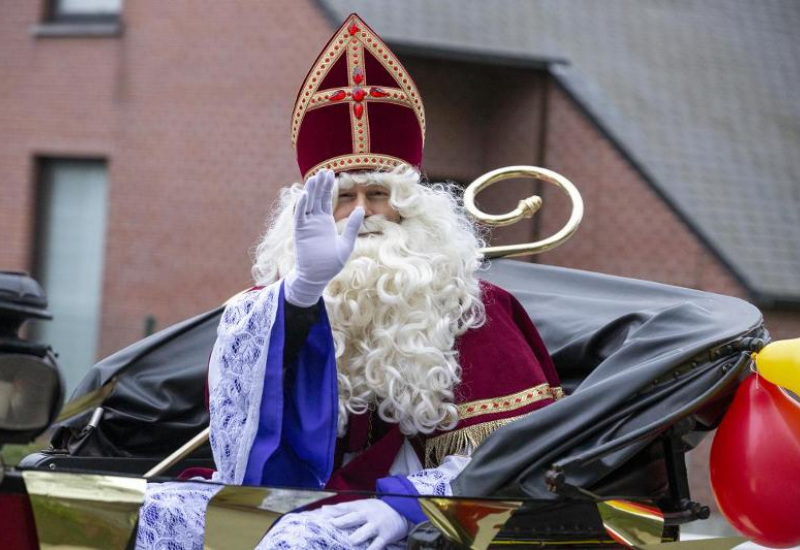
(358, 108)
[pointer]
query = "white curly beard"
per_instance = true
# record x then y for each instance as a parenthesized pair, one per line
(407, 291)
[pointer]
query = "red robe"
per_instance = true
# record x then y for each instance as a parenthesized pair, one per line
(507, 373)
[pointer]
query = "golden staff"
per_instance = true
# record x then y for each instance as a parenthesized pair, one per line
(525, 209)
(179, 454)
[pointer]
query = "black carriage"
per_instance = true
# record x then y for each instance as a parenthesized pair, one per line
(648, 370)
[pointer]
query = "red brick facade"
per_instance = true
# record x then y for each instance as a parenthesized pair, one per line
(190, 107)
(632, 231)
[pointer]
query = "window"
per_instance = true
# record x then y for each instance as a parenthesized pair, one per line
(71, 227)
(85, 10)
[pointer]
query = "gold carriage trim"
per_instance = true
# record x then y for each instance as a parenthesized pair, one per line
(509, 402)
(345, 163)
(462, 441)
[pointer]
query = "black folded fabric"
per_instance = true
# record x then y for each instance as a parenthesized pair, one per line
(634, 357)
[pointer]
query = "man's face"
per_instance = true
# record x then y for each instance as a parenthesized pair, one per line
(372, 197)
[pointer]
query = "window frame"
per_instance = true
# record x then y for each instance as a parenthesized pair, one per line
(44, 173)
(54, 15)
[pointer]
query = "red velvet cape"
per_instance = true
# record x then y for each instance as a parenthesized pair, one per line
(506, 374)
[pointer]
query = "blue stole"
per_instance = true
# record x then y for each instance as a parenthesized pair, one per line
(296, 436)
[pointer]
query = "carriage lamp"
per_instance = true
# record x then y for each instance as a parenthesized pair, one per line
(31, 388)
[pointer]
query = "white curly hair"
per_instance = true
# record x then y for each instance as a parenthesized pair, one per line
(399, 304)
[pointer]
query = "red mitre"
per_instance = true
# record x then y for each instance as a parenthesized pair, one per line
(358, 108)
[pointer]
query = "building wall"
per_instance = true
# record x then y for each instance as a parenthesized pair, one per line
(195, 135)
(196, 139)
(204, 149)
(627, 230)
(782, 324)
(480, 118)
(56, 98)
(190, 106)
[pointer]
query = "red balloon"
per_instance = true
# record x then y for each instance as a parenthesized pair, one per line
(755, 464)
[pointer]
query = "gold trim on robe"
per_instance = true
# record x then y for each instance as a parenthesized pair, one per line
(464, 440)
(508, 402)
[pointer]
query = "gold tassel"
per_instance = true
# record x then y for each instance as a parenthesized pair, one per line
(462, 441)
(465, 440)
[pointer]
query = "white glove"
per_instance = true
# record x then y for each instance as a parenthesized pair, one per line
(374, 520)
(320, 251)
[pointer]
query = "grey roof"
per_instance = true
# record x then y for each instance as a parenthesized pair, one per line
(702, 95)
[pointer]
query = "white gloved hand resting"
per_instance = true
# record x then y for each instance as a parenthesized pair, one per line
(373, 519)
(320, 251)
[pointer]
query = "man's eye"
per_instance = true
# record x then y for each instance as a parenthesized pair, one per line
(346, 196)
(380, 194)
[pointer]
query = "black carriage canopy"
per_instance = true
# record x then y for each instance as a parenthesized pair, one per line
(635, 357)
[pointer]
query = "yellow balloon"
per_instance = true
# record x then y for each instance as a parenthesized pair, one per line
(779, 362)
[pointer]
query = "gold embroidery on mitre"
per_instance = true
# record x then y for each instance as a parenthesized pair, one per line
(393, 66)
(356, 162)
(395, 96)
(508, 402)
(327, 59)
(355, 39)
(359, 115)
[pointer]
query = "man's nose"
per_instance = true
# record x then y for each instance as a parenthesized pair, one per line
(363, 201)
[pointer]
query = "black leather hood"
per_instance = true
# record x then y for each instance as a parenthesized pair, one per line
(633, 355)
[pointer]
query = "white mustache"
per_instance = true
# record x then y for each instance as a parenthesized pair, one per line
(373, 224)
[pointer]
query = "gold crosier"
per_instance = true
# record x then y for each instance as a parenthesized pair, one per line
(525, 209)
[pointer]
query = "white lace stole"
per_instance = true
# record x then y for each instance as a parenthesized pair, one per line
(432, 481)
(236, 378)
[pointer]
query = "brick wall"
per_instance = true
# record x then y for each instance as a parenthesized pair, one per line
(191, 107)
(628, 230)
(56, 98)
(480, 118)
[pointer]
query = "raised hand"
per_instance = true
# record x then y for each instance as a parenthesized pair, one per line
(320, 251)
